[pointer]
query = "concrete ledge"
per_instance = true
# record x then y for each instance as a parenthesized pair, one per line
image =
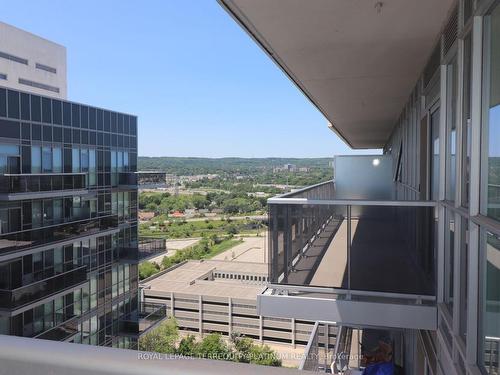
(348, 312)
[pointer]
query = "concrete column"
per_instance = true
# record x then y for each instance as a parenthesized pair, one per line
(293, 331)
(172, 308)
(326, 331)
(230, 316)
(200, 315)
(261, 338)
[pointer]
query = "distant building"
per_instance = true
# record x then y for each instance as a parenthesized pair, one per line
(221, 296)
(285, 168)
(31, 63)
(151, 177)
(177, 214)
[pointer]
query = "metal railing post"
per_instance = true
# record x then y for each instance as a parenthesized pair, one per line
(349, 228)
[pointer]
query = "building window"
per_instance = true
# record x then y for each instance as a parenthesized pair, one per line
(464, 275)
(451, 129)
(46, 68)
(449, 260)
(38, 85)
(490, 302)
(3, 76)
(491, 127)
(466, 120)
(10, 57)
(435, 154)
(36, 159)
(46, 160)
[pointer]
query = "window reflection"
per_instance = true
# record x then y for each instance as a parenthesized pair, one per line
(435, 154)
(493, 177)
(451, 141)
(491, 305)
(466, 120)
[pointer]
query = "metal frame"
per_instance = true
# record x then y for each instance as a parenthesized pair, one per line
(286, 289)
(351, 202)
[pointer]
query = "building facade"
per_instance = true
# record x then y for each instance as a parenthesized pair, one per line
(31, 63)
(68, 216)
(421, 80)
(214, 296)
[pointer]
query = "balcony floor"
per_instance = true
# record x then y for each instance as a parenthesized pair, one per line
(373, 242)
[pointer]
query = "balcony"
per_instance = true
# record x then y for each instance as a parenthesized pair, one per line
(358, 260)
(11, 243)
(146, 249)
(148, 316)
(11, 299)
(127, 179)
(24, 186)
(63, 332)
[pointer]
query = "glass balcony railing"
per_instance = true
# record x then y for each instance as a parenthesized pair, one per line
(146, 317)
(37, 237)
(127, 178)
(62, 332)
(29, 293)
(38, 183)
(318, 240)
(146, 248)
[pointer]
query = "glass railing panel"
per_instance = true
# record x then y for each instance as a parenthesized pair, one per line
(126, 178)
(21, 296)
(299, 237)
(391, 249)
(37, 237)
(36, 183)
(61, 332)
(317, 240)
(145, 317)
(144, 248)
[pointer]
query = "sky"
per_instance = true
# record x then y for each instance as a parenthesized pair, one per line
(197, 82)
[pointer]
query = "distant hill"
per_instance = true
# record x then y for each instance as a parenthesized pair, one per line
(192, 165)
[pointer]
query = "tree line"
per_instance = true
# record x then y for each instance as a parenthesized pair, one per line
(165, 339)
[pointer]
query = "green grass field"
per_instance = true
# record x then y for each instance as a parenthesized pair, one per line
(161, 228)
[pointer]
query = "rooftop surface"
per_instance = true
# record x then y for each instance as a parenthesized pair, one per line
(193, 277)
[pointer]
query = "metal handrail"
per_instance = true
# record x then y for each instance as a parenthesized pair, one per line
(307, 188)
(351, 202)
(349, 292)
(342, 331)
(309, 345)
(45, 174)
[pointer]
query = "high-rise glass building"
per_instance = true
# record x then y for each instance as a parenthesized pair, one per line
(69, 246)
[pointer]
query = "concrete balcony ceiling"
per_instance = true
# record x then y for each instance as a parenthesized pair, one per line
(356, 60)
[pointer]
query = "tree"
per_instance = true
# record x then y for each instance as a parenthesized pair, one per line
(248, 352)
(147, 269)
(188, 346)
(151, 207)
(264, 355)
(214, 347)
(232, 229)
(161, 339)
(243, 347)
(199, 201)
(215, 239)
